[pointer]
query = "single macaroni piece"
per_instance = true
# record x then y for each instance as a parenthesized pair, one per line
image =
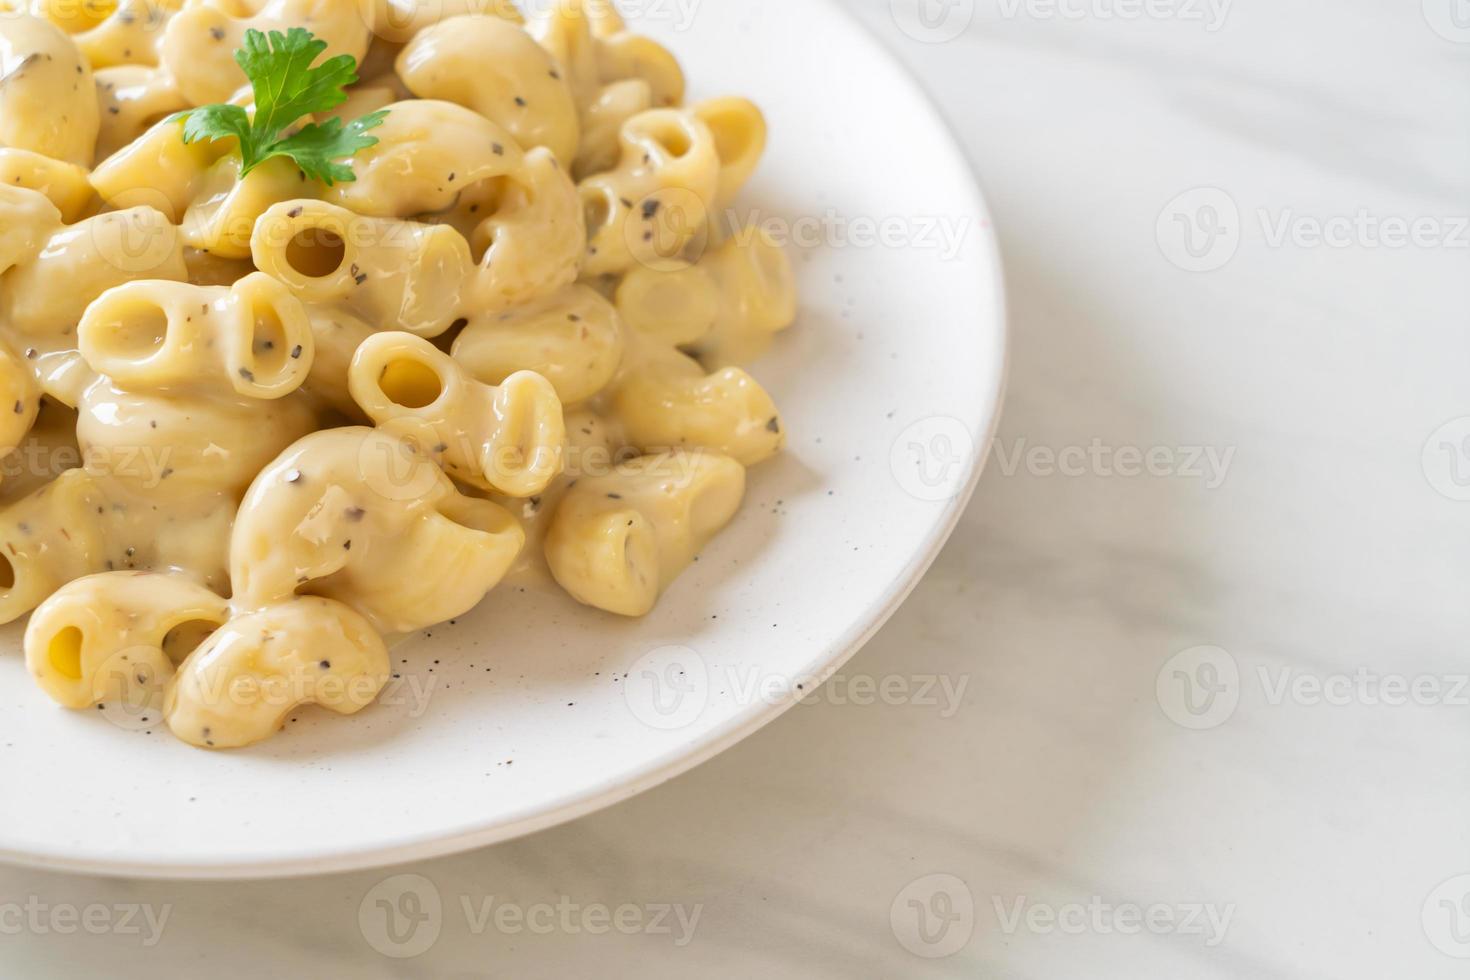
(573, 338)
(677, 171)
(80, 262)
(185, 446)
(665, 400)
(390, 274)
(158, 170)
(177, 413)
(64, 184)
(675, 307)
(613, 74)
(617, 541)
(508, 438)
(655, 206)
(428, 153)
(150, 335)
(227, 207)
(44, 297)
(131, 34)
(494, 67)
(238, 686)
(360, 516)
(117, 634)
(530, 234)
(47, 100)
(726, 308)
(739, 129)
(200, 41)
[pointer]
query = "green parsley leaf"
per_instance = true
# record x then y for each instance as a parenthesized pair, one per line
(286, 88)
(317, 145)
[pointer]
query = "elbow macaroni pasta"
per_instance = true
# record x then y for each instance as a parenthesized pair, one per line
(507, 438)
(199, 42)
(618, 540)
(295, 420)
(242, 681)
(381, 270)
(372, 522)
(495, 68)
(63, 184)
(115, 633)
(48, 103)
(573, 339)
(613, 74)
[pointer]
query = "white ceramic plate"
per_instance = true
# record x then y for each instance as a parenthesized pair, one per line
(538, 710)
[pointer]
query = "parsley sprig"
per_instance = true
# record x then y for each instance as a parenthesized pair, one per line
(286, 88)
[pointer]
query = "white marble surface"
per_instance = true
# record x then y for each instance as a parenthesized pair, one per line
(1299, 517)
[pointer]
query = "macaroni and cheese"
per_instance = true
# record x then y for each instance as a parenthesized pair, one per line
(332, 358)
